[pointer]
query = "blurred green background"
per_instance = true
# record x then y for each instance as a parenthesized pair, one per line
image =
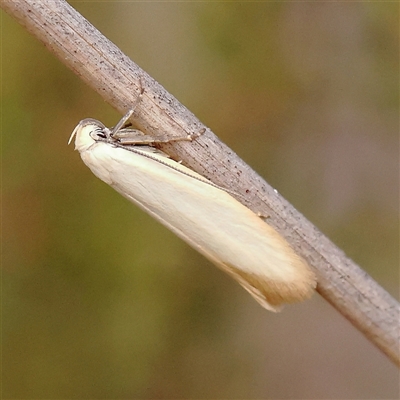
(101, 302)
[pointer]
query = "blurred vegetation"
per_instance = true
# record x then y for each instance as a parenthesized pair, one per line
(101, 302)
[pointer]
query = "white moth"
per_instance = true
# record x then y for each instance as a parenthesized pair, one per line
(204, 215)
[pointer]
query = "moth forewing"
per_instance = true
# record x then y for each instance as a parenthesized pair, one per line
(206, 217)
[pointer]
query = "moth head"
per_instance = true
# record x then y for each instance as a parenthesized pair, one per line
(87, 133)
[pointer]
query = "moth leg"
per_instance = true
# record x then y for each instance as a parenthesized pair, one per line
(134, 136)
(125, 136)
(129, 113)
(189, 137)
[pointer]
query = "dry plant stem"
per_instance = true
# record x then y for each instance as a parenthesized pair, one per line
(116, 78)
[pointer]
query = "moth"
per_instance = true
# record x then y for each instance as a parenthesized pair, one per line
(204, 215)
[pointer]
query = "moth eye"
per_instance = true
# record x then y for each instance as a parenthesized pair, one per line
(98, 133)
